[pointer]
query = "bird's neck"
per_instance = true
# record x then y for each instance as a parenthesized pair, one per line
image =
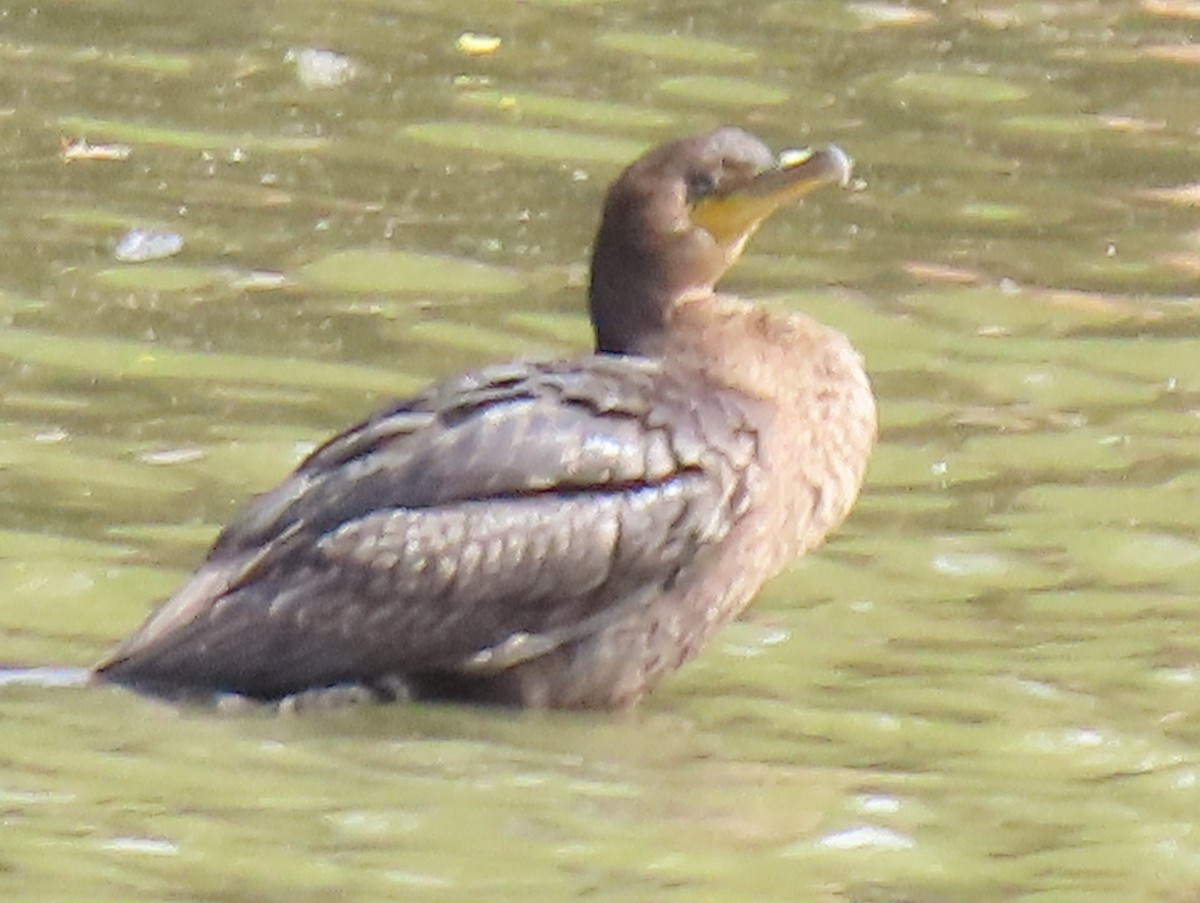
(629, 302)
(641, 270)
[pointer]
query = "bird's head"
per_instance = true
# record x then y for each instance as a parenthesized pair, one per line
(678, 218)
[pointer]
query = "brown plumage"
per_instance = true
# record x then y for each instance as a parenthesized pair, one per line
(558, 534)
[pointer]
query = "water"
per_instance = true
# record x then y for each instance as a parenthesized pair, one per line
(983, 689)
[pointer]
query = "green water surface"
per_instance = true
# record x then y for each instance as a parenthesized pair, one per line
(983, 689)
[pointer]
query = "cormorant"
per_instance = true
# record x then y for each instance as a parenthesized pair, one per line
(556, 534)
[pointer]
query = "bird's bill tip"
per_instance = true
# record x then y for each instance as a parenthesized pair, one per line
(814, 167)
(733, 214)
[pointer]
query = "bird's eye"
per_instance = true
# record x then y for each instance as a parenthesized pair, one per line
(700, 184)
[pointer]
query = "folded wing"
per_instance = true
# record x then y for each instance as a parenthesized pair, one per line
(483, 523)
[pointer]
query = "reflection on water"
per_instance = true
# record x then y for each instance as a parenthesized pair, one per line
(983, 689)
(43, 677)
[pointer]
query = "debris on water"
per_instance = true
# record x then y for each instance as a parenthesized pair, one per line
(259, 281)
(51, 436)
(171, 456)
(141, 245)
(889, 15)
(1187, 195)
(322, 68)
(472, 44)
(79, 149)
(1176, 9)
(932, 271)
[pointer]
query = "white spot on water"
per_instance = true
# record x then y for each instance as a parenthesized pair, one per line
(878, 804)
(1085, 737)
(172, 456)
(51, 436)
(867, 837)
(1180, 677)
(966, 564)
(148, 846)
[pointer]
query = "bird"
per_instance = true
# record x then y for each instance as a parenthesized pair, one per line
(560, 534)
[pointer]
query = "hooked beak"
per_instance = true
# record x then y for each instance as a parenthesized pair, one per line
(732, 214)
